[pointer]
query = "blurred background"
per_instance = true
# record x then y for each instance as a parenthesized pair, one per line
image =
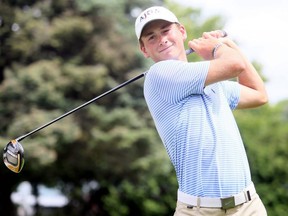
(106, 159)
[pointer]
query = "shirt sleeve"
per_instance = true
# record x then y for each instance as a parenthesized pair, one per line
(232, 92)
(175, 80)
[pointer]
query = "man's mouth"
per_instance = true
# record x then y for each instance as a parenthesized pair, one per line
(166, 48)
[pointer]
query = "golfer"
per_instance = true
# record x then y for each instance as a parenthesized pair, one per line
(191, 104)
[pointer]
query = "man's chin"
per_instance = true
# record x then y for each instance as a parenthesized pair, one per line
(170, 57)
(164, 59)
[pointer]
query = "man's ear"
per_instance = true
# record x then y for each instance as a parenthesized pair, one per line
(143, 49)
(183, 32)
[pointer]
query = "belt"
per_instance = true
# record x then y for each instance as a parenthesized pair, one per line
(224, 203)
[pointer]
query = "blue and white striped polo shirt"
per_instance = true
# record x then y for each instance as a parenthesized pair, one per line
(197, 127)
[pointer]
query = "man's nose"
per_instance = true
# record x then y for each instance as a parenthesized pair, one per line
(163, 40)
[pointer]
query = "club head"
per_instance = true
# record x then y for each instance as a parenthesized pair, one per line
(13, 156)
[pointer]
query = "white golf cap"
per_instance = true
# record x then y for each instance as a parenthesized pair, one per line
(153, 13)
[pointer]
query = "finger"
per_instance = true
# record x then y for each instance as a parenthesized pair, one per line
(193, 43)
(197, 40)
(216, 34)
(207, 35)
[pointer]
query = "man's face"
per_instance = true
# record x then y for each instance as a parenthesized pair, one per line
(162, 40)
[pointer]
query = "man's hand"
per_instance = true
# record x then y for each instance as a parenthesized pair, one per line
(204, 46)
(216, 34)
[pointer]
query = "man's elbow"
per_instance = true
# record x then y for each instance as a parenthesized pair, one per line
(263, 99)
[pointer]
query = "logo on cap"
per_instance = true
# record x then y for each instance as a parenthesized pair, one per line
(149, 12)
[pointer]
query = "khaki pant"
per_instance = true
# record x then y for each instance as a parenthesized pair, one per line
(254, 207)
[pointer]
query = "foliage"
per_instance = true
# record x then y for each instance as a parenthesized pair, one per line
(264, 132)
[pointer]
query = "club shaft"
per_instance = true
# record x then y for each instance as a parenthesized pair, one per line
(188, 52)
(81, 106)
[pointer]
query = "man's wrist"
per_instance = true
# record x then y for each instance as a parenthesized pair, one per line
(214, 50)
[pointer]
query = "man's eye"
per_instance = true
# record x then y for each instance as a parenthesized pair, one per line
(151, 38)
(166, 31)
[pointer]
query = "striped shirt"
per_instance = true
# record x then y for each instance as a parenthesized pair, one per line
(197, 128)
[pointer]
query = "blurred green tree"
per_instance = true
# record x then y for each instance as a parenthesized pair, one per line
(264, 133)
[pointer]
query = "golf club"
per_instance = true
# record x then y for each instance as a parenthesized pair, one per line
(13, 154)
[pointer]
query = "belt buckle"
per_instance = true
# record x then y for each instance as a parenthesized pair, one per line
(228, 202)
